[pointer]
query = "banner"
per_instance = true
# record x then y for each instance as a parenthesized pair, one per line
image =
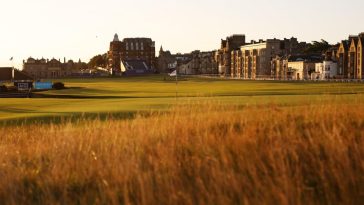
(43, 85)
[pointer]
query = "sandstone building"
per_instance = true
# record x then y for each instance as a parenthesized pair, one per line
(264, 59)
(44, 68)
(350, 57)
(342, 59)
(360, 57)
(130, 49)
(223, 57)
(200, 63)
(194, 63)
(166, 61)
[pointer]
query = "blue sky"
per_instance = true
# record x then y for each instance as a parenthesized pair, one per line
(82, 28)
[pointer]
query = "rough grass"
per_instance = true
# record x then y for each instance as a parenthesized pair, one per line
(205, 153)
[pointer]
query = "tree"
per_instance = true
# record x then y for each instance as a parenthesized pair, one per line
(98, 61)
(317, 47)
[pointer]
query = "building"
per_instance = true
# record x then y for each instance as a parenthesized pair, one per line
(44, 68)
(301, 67)
(199, 63)
(352, 57)
(256, 58)
(130, 49)
(264, 58)
(325, 70)
(279, 66)
(342, 59)
(360, 57)
(299, 70)
(223, 56)
(166, 61)
(194, 63)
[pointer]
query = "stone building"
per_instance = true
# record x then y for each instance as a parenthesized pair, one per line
(199, 63)
(130, 49)
(166, 61)
(224, 57)
(301, 67)
(342, 59)
(325, 70)
(263, 59)
(44, 68)
(352, 57)
(279, 66)
(256, 58)
(194, 63)
(360, 57)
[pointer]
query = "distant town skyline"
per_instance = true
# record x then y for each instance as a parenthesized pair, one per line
(82, 29)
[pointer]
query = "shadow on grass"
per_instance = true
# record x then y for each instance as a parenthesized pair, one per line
(74, 117)
(60, 96)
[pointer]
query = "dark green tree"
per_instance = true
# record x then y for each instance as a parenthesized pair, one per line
(98, 61)
(317, 47)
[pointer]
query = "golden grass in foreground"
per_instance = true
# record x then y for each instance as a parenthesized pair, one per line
(205, 154)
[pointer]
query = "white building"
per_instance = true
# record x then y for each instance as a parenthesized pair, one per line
(299, 69)
(325, 70)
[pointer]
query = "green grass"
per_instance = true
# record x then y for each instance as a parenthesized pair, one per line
(121, 97)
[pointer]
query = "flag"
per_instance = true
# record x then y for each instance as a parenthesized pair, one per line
(174, 73)
(11, 58)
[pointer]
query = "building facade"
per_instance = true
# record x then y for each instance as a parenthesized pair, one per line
(279, 66)
(224, 57)
(260, 55)
(342, 59)
(264, 59)
(130, 49)
(44, 68)
(300, 70)
(360, 57)
(199, 63)
(350, 57)
(325, 70)
(166, 61)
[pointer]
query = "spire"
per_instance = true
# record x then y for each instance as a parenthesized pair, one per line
(161, 50)
(116, 37)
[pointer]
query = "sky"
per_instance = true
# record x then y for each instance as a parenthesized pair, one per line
(80, 29)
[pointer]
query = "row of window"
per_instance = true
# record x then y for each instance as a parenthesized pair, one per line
(136, 46)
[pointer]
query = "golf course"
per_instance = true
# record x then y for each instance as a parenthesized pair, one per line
(147, 140)
(120, 97)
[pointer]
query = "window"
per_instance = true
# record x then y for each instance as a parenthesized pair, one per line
(137, 46)
(141, 46)
(132, 46)
(127, 46)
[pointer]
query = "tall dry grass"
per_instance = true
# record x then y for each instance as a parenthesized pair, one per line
(201, 154)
